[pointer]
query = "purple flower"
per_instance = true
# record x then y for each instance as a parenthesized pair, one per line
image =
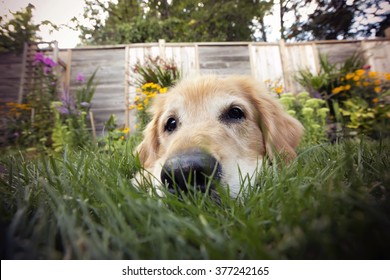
(39, 57)
(49, 62)
(68, 105)
(80, 78)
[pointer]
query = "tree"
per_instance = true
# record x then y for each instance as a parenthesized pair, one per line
(341, 19)
(132, 21)
(20, 29)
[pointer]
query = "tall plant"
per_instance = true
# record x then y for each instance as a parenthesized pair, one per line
(43, 93)
(320, 84)
(71, 116)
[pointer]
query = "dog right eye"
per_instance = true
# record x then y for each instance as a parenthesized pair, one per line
(170, 125)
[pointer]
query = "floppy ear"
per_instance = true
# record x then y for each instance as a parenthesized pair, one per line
(282, 132)
(147, 150)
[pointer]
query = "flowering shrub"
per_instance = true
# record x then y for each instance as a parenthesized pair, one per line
(311, 112)
(365, 107)
(33, 122)
(142, 100)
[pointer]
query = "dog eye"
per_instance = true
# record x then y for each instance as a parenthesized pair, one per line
(170, 125)
(235, 113)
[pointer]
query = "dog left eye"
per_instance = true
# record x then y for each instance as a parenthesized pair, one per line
(232, 115)
(235, 113)
(170, 125)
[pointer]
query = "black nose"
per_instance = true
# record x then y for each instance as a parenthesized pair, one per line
(193, 169)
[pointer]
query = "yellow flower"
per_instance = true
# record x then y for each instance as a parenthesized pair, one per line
(360, 72)
(122, 138)
(163, 90)
(375, 100)
(356, 78)
(347, 87)
(146, 101)
(140, 107)
(387, 76)
(279, 89)
(126, 130)
(337, 90)
(349, 76)
(377, 82)
(372, 74)
(131, 107)
(377, 89)
(365, 84)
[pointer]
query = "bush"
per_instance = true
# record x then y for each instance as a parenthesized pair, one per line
(365, 107)
(358, 98)
(321, 84)
(311, 112)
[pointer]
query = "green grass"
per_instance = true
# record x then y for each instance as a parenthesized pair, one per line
(333, 202)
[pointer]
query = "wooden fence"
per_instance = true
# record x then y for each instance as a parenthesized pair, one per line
(264, 61)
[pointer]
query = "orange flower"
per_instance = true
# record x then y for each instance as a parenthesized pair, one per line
(375, 100)
(377, 89)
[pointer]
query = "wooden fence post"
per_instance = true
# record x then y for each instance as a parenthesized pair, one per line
(285, 65)
(161, 45)
(127, 77)
(23, 74)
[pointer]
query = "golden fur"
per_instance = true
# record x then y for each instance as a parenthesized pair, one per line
(197, 104)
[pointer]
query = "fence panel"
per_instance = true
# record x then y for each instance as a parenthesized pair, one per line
(109, 97)
(10, 75)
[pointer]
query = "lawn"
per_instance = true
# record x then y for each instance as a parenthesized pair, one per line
(332, 202)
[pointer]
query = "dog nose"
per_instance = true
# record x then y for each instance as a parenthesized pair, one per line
(192, 169)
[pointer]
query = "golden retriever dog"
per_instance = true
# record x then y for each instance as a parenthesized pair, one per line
(213, 127)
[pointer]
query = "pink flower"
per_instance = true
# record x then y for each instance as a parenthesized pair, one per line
(80, 78)
(366, 67)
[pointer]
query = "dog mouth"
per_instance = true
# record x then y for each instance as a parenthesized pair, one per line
(192, 170)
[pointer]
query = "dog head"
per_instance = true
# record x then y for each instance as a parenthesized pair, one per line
(215, 127)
